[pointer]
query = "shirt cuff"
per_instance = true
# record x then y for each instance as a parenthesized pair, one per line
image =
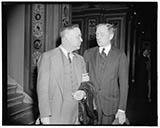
(120, 110)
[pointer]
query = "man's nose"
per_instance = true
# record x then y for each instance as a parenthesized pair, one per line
(81, 39)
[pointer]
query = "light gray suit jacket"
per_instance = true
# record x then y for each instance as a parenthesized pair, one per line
(50, 83)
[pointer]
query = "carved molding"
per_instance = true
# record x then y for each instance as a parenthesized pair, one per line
(37, 39)
(38, 23)
(66, 14)
(91, 28)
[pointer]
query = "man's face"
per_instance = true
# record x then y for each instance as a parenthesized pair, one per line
(74, 38)
(103, 36)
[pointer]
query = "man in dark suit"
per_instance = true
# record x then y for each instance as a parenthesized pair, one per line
(108, 71)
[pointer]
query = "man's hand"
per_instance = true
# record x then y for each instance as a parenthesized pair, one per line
(121, 116)
(45, 120)
(79, 95)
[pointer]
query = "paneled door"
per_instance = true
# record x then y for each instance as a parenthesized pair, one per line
(119, 22)
(89, 16)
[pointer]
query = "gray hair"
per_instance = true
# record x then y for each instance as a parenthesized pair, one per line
(110, 27)
(68, 27)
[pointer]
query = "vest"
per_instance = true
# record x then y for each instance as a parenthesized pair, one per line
(70, 114)
(100, 66)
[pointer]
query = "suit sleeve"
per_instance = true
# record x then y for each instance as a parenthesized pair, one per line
(86, 60)
(123, 81)
(83, 66)
(42, 86)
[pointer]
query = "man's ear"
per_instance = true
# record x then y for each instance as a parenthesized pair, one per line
(111, 36)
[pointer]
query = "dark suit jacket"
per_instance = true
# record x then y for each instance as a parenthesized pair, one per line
(112, 86)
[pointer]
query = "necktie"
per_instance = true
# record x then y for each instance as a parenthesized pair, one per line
(69, 58)
(103, 54)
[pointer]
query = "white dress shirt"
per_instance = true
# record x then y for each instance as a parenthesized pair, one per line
(66, 52)
(107, 49)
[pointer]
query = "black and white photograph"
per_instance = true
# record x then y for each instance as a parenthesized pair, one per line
(79, 63)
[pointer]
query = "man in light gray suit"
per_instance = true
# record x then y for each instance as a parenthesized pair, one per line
(60, 74)
(108, 71)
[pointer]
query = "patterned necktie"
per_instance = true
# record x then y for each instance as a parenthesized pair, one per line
(103, 54)
(69, 58)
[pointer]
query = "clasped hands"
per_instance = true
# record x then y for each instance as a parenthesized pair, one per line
(79, 95)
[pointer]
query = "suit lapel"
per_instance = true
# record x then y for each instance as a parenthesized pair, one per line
(58, 62)
(94, 60)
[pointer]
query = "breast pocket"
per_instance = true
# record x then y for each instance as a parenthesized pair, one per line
(111, 71)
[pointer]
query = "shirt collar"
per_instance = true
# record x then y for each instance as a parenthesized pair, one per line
(107, 49)
(66, 52)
